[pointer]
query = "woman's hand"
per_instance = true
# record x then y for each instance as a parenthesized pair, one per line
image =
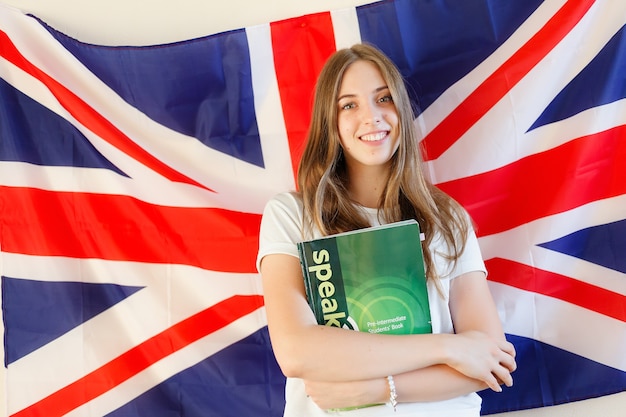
(329, 395)
(481, 357)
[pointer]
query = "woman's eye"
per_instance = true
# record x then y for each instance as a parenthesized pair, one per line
(385, 99)
(347, 106)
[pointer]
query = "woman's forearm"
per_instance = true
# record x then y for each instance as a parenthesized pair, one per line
(435, 383)
(333, 354)
(310, 351)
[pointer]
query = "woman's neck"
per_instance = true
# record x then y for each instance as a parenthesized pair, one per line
(366, 185)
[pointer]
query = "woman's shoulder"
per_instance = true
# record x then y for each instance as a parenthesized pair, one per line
(281, 226)
(287, 197)
(284, 210)
(287, 201)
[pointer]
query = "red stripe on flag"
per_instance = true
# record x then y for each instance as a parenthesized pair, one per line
(578, 172)
(143, 356)
(580, 293)
(89, 117)
(116, 227)
(301, 47)
(496, 86)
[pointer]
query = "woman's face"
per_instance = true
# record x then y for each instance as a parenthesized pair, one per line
(367, 119)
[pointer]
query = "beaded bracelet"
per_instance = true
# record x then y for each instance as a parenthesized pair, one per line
(393, 395)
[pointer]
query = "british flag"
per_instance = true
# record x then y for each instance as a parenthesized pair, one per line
(132, 181)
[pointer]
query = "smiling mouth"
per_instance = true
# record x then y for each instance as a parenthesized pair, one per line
(373, 137)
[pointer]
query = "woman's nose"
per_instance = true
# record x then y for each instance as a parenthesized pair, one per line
(370, 113)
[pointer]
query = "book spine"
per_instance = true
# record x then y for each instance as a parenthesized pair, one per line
(308, 285)
(324, 277)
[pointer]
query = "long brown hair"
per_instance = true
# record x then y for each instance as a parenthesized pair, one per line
(322, 178)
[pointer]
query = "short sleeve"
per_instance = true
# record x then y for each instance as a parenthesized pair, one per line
(470, 260)
(281, 227)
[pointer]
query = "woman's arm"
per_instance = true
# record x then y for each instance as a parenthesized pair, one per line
(474, 314)
(435, 383)
(307, 350)
(310, 351)
(473, 310)
(475, 317)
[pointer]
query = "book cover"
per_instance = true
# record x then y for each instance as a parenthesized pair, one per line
(369, 280)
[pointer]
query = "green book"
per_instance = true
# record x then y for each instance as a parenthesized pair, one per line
(369, 280)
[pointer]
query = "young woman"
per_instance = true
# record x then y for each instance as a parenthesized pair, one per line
(361, 167)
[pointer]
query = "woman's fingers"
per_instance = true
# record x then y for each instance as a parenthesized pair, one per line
(488, 360)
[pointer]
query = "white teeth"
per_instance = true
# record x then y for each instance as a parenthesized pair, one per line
(374, 136)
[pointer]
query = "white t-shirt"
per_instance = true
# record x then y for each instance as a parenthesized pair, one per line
(281, 229)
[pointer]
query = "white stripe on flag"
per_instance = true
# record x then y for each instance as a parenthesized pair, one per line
(171, 294)
(520, 244)
(346, 27)
(183, 153)
(172, 365)
(269, 112)
(455, 94)
(509, 120)
(561, 324)
(143, 183)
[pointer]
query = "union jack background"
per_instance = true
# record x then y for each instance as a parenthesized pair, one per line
(132, 181)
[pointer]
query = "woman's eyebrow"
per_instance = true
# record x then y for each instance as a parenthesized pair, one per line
(345, 96)
(350, 95)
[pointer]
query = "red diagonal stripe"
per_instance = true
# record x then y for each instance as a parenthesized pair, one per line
(548, 283)
(143, 356)
(89, 117)
(496, 86)
(116, 227)
(301, 46)
(576, 173)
